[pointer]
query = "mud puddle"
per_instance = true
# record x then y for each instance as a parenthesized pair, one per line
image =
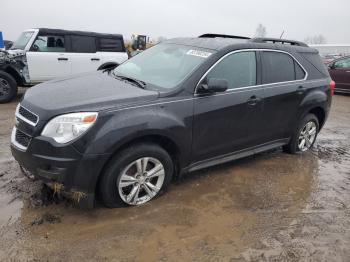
(272, 207)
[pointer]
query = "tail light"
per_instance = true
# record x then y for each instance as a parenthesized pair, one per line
(332, 87)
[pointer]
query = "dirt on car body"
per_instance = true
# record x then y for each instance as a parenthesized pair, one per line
(268, 207)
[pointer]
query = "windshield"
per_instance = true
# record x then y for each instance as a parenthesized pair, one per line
(164, 65)
(23, 40)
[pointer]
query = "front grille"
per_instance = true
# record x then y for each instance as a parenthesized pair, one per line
(22, 138)
(25, 113)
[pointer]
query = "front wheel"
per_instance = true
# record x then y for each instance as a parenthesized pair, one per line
(136, 175)
(8, 87)
(305, 136)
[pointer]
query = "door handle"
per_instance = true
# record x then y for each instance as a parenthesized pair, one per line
(253, 100)
(348, 71)
(62, 59)
(95, 59)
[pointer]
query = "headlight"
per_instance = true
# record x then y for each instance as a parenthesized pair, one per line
(65, 128)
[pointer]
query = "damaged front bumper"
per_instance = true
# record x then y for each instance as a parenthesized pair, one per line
(15, 60)
(62, 168)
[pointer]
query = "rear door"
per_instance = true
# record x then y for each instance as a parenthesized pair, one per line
(47, 58)
(229, 121)
(83, 54)
(283, 79)
(340, 73)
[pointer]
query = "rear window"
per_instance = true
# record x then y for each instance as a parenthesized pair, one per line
(110, 45)
(316, 61)
(83, 44)
(280, 67)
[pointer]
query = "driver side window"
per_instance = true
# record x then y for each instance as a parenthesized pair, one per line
(49, 43)
(239, 69)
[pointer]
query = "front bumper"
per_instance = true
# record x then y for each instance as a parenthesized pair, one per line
(62, 165)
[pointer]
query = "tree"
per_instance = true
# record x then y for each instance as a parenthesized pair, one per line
(260, 31)
(315, 40)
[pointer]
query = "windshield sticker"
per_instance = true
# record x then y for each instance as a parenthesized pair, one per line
(199, 53)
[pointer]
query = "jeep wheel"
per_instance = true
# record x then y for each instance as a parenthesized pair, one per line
(136, 176)
(305, 136)
(8, 87)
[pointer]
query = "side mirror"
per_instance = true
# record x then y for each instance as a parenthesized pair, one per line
(331, 66)
(213, 85)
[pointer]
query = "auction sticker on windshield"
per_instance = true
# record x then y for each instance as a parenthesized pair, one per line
(199, 53)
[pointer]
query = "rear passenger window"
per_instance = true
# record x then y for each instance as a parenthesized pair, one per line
(277, 67)
(83, 44)
(238, 69)
(110, 45)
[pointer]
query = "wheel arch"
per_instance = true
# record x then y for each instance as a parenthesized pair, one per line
(108, 65)
(159, 139)
(317, 103)
(14, 73)
(320, 113)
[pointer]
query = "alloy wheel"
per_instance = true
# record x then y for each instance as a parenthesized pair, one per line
(141, 180)
(307, 136)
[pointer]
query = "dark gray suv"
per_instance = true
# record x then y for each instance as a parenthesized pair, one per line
(122, 135)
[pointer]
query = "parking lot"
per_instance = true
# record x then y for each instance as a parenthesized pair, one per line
(272, 206)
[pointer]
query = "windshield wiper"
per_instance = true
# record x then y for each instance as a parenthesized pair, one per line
(139, 83)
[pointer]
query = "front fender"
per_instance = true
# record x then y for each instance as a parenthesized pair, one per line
(117, 128)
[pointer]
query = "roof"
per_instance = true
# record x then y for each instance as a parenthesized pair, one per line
(207, 43)
(219, 41)
(86, 33)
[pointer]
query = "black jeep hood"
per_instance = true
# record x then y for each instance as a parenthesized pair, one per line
(87, 92)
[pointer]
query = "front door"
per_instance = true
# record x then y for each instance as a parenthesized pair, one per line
(47, 58)
(340, 73)
(229, 121)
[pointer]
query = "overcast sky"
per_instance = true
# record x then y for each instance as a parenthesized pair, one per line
(299, 18)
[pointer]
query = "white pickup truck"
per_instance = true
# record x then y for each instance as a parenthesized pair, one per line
(43, 54)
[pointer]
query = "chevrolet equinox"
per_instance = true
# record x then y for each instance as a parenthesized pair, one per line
(121, 135)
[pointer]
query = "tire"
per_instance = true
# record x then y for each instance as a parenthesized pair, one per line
(8, 87)
(123, 166)
(294, 145)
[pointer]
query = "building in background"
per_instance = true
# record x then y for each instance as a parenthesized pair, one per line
(332, 49)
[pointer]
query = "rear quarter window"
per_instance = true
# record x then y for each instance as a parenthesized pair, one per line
(110, 45)
(299, 72)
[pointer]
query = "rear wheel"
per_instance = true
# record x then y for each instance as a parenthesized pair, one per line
(8, 87)
(136, 175)
(305, 135)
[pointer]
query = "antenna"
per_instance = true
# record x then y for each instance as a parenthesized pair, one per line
(282, 34)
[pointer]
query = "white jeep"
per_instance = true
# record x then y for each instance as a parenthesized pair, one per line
(44, 54)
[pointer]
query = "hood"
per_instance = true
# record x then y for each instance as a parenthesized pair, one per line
(87, 92)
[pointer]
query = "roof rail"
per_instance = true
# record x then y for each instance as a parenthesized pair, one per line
(222, 36)
(277, 41)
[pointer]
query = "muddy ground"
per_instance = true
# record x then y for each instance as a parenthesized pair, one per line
(269, 207)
